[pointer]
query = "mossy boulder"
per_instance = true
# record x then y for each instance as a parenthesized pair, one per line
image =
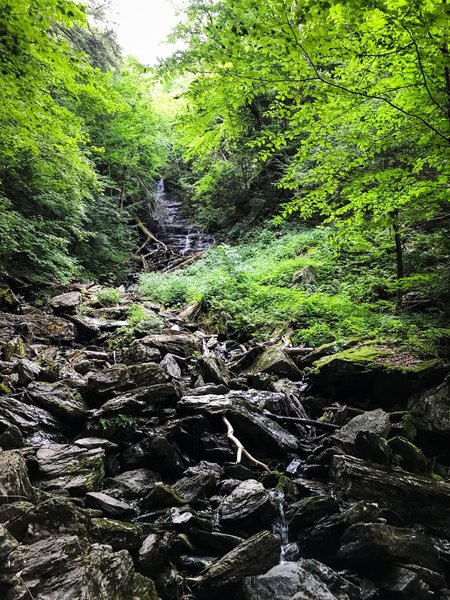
(371, 373)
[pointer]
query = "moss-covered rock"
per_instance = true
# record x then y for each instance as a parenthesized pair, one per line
(365, 374)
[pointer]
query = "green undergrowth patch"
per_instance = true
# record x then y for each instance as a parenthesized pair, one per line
(249, 290)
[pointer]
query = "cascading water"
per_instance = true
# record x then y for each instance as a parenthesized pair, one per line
(169, 224)
(279, 525)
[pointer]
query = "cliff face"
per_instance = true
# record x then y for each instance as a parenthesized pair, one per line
(143, 458)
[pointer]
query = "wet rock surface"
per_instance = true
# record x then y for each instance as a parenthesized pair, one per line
(143, 463)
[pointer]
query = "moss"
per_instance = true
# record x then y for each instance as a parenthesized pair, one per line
(367, 355)
(4, 389)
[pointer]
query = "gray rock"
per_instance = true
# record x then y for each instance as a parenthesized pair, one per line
(70, 568)
(131, 484)
(303, 580)
(275, 361)
(432, 408)
(37, 425)
(118, 534)
(10, 437)
(409, 456)
(253, 557)
(14, 481)
(171, 367)
(109, 505)
(375, 421)
(71, 468)
(406, 494)
(95, 442)
(180, 344)
(65, 303)
(248, 501)
(58, 399)
(7, 546)
(364, 543)
(153, 554)
(307, 511)
(139, 353)
(162, 496)
(213, 370)
(28, 371)
(306, 277)
(196, 486)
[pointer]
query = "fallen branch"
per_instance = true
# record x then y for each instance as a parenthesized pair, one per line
(149, 235)
(240, 448)
(179, 264)
(318, 424)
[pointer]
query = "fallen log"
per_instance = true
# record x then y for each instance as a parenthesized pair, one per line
(179, 264)
(149, 236)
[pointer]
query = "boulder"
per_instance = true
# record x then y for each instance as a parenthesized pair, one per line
(28, 371)
(213, 370)
(131, 484)
(14, 481)
(306, 579)
(378, 543)
(367, 374)
(10, 437)
(374, 421)
(162, 496)
(69, 467)
(249, 506)
(370, 446)
(275, 361)
(431, 408)
(58, 399)
(408, 495)
(70, 568)
(37, 425)
(408, 456)
(7, 546)
(197, 486)
(171, 367)
(252, 557)
(308, 511)
(153, 555)
(65, 303)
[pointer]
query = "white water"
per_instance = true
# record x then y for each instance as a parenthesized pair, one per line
(280, 526)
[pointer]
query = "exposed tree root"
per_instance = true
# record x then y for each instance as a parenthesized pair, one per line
(240, 448)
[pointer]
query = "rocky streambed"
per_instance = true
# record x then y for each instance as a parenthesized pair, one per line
(153, 460)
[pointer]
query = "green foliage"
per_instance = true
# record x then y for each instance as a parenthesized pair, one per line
(139, 316)
(108, 297)
(80, 144)
(247, 290)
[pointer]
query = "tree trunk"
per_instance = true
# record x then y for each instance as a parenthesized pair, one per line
(399, 258)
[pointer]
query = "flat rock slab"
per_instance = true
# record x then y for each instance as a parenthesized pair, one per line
(253, 557)
(71, 468)
(109, 505)
(374, 421)
(65, 303)
(408, 495)
(58, 399)
(302, 580)
(180, 344)
(131, 485)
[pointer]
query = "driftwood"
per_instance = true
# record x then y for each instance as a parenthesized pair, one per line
(240, 448)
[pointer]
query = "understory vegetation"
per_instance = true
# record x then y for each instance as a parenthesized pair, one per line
(256, 289)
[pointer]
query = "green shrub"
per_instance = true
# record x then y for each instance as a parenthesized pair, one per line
(108, 297)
